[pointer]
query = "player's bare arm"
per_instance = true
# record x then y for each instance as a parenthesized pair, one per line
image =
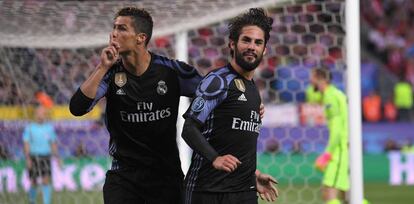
(27, 155)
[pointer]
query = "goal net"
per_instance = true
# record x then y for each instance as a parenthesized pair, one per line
(52, 47)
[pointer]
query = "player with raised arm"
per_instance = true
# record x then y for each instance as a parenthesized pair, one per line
(223, 123)
(142, 91)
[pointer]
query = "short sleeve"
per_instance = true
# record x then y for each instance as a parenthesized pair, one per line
(52, 133)
(26, 133)
(188, 76)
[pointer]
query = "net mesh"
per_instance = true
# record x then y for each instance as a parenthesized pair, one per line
(34, 23)
(37, 55)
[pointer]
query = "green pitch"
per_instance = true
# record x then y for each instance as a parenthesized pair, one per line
(299, 183)
(377, 193)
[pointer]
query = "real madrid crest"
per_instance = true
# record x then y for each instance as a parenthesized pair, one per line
(120, 79)
(162, 88)
(240, 85)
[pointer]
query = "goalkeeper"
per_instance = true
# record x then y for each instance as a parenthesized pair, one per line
(334, 161)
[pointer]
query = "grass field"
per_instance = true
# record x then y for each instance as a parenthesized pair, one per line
(377, 193)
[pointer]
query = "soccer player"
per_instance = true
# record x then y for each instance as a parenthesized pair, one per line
(334, 161)
(223, 123)
(142, 93)
(39, 139)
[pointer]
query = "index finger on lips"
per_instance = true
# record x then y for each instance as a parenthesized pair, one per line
(115, 44)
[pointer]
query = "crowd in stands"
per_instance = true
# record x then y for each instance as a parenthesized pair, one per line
(303, 36)
(387, 29)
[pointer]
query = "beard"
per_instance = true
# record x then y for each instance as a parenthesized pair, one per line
(246, 65)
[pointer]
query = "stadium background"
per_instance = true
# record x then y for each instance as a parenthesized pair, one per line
(51, 46)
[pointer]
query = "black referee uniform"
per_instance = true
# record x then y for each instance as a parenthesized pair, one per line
(141, 116)
(226, 108)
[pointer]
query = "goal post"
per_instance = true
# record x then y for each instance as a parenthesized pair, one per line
(354, 95)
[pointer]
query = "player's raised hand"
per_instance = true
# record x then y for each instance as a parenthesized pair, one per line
(227, 163)
(265, 187)
(110, 54)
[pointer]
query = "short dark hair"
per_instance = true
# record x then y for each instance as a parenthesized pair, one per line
(323, 73)
(142, 20)
(256, 17)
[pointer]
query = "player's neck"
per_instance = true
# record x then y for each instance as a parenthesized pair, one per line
(137, 61)
(324, 87)
(39, 121)
(246, 74)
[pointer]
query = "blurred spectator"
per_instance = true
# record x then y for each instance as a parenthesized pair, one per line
(369, 76)
(272, 146)
(44, 99)
(390, 112)
(372, 107)
(391, 145)
(4, 152)
(403, 100)
(396, 61)
(410, 69)
(388, 29)
(81, 150)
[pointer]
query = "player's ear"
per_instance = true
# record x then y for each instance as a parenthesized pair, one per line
(231, 44)
(264, 51)
(232, 47)
(141, 38)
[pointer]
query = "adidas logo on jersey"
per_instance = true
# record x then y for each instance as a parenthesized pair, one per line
(120, 92)
(242, 97)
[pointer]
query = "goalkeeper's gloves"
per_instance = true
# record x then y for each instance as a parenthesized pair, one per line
(322, 161)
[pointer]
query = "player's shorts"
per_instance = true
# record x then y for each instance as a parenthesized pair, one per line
(248, 197)
(337, 171)
(41, 166)
(128, 186)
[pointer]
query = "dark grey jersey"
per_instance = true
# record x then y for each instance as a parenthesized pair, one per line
(141, 113)
(227, 106)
